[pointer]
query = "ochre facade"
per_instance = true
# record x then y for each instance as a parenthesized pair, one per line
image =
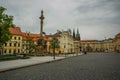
(18, 43)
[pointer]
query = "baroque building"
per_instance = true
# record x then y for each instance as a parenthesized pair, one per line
(27, 39)
(107, 45)
(19, 43)
(13, 46)
(116, 41)
(66, 42)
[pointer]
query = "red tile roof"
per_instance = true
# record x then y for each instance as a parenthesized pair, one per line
(15, 30)
(33, 36)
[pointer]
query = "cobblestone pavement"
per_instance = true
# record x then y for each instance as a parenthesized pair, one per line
(93, 66)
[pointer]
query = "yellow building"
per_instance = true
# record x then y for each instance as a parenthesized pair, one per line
(25, 42)
(89, 45)
(107, 45)
(66, 42)
(48, 39)
(13, 46)
(18, 43)
(76, 46)
(116, 42)
(30, 43)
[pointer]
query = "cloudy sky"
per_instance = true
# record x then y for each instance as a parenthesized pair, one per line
(95, 19)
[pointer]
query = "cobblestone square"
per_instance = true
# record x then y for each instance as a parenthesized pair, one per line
(93, 66)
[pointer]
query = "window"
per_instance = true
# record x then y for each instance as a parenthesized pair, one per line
(10, 51)
(18, 45)
(14, 51)
(15, 38)
(15, 44)
(5, 51)
(10, 44)
(19, 38)
(18, 50)
(5, 44)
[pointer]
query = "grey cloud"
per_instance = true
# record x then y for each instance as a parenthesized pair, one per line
(99, 12)
(94, 18)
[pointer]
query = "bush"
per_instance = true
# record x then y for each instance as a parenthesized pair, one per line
(13, 57)
(8, 57)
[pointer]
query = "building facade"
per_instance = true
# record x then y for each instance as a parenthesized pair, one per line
(19, 43)
(116, 41)
(107, 45)
(66, 42)
(13, 46)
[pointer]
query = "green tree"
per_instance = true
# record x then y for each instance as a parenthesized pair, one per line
(5, 24)
(73, 33)
(54, 45)
(30, 44)
(78, 35)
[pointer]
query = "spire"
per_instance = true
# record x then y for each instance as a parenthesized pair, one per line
(73, 33)
(78, 35)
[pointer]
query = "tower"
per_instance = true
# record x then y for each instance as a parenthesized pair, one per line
(41, 22)
(73, 34)
(77, 35)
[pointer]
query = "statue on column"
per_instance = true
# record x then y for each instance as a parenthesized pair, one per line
(41, 43)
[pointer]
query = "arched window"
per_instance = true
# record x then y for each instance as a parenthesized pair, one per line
(18, 45)
(10, 44)
(15, 51)
(5, 51)
(5, 44)
(14, 44)
(19, 38)
(9, 51)
(18, 50)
